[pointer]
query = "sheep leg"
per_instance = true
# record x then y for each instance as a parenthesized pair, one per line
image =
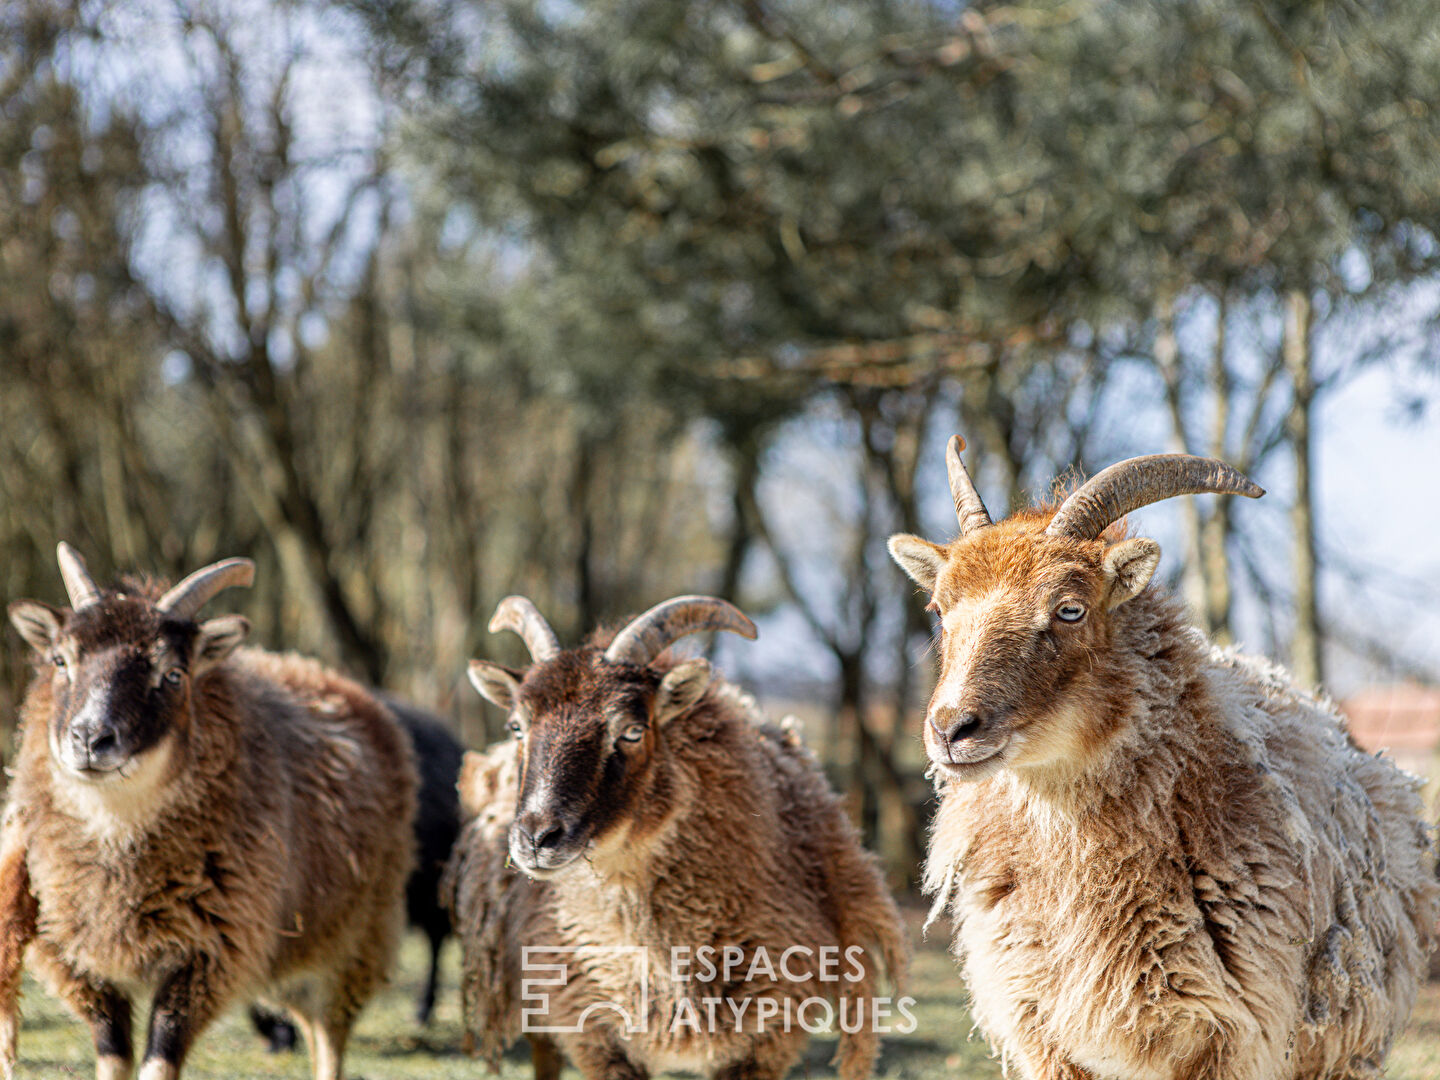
(600, 1056)
(307, 1031)
(183, 1007)
(18, 913)
(432, 981)
(108, 1014)
(275, 1029)
(545, 1057)
(325, 1039)
(328, 1047)
(100, 1005)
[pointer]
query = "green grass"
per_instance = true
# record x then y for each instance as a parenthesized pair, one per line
(387, 1044)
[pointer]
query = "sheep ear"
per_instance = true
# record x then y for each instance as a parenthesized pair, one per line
(919, 558)
(478, 783)
(498, 685)
(39, 624)
(681, 689)
(1128, 567)
(217, 639)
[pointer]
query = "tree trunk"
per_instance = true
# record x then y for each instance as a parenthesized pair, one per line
(1215, 535)
(1167, 361)
(587, 614)
(864, 765)
(746, 456)
(1306, 646)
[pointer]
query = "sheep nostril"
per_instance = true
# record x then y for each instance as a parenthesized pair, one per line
(965, 727)
(548, 837)
(103, 744)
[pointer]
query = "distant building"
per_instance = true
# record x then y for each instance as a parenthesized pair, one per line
(1403, 718)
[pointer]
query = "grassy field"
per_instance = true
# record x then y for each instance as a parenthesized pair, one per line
(388, 1046)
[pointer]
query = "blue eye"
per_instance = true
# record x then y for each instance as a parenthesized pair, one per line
(1070, 612)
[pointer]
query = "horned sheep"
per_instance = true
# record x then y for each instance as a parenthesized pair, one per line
(195, 821)
(1164, 859)
(646, 810)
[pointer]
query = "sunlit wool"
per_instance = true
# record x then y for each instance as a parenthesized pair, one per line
(268, 856)
(1179, 865)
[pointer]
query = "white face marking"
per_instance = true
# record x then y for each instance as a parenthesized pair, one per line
(131, 797)
(95, 706)
(121, 800)
(97, 703)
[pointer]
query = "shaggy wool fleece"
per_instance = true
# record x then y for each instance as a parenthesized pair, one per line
(273, 861)
(757, 852)
(1233, 891)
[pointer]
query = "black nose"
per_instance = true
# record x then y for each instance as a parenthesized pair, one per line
(538, 833)
(95, 738)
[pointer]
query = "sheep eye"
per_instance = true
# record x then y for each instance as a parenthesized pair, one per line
(1070, 612)
(513, 726)
(173, 676)
(58, 660)
(633, 733)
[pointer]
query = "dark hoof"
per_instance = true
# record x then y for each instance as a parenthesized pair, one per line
(279, 1034)
(283, 1039)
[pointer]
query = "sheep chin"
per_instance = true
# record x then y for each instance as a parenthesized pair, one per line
(121, 799)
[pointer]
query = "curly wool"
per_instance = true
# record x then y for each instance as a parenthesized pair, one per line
(760, 852)
(277, 857)
(1235, 891)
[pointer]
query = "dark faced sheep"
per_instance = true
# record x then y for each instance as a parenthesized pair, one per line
(197, 823)
(646, 814)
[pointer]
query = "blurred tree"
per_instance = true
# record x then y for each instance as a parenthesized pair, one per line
(77, 347)
(731, 209)
(1243, 151)
(531, 304)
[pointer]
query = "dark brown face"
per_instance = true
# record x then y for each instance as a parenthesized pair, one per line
(589, 732)
(120, 679)
(1023, 617)
(584, 727)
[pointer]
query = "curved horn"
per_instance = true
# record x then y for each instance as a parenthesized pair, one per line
(79, 584)
(196, 590)
(650, 634)
(1139, 481)
(969, 509)
(520, 615)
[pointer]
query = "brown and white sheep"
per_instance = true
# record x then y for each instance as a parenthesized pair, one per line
(196, 822)
(651, 808)
(1165, 861)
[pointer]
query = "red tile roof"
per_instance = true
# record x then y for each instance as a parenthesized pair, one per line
(1405, 716)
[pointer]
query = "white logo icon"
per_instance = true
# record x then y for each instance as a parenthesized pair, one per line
(541, 978)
